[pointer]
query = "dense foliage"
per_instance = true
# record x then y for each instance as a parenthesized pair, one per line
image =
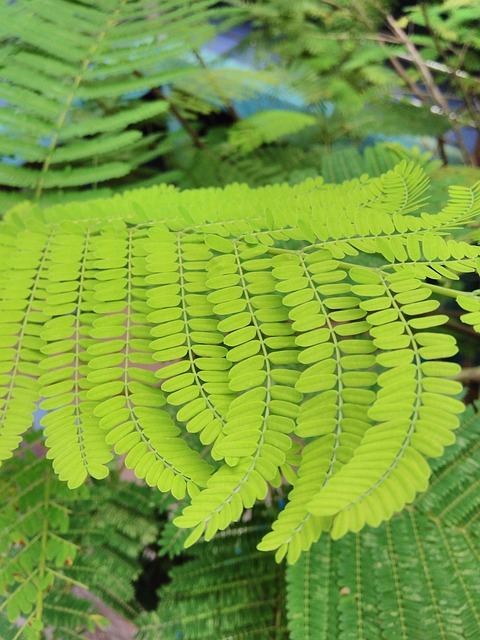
(413, 577)
(129, 95)
(416, 575)
(277, 355)
(206, 334)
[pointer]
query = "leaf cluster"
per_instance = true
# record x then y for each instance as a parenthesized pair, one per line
(61, 547)
(287, 342)
(110, 104)
(93, 106)
(415, 576)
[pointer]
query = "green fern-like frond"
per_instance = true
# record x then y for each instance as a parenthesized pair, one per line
(224, 341)
(72, 116)
(453, 495)
(294, 163)
(71, 616)
(227, 590)
(410, 577)
(213, 88)
(267, 126)
(112, 527)
(172, 540)
(55, 541)
(415, 576)
(34, 542)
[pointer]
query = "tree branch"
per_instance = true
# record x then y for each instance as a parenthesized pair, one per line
(197, 141)
(455, 76)
(469, 374)
(430, 84)
(230, 108)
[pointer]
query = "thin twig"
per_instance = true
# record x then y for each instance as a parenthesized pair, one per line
(443, 68)
(197, 141)
(441, 149)
(406, 78)
(230, 108)
(429, 83)
(476, 151)
(455, 76)
(375, 37)
(469, 374)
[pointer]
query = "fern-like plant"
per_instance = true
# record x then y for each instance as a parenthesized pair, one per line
(36, 550)
(60, 545)
(90, 91)
(295, 162)
(416, 576)
(355, 56)
(225, 589)
(225, 340)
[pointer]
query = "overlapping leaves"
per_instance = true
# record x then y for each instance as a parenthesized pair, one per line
(234, 592)
(58, 544)
(73, 113)
(34, 542)
(415, 576)
(292, 332)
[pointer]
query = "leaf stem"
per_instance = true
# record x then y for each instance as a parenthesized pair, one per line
(443, 291)
(158, 93)
(278, 252)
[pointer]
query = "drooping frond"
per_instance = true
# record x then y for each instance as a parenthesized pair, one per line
(228, 340)
(227, 589)
(417, 576)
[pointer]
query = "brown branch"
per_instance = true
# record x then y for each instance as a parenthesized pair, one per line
(456, 80)
(415, 89)
(433, 33)
(406, 78)
(197, 141)
(461, 328)
(375, 37)
(429, 81)
(230, 108)
(441, 149)
(476, 152)
(469, 374)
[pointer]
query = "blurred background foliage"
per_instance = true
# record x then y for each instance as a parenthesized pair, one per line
(103, 96)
